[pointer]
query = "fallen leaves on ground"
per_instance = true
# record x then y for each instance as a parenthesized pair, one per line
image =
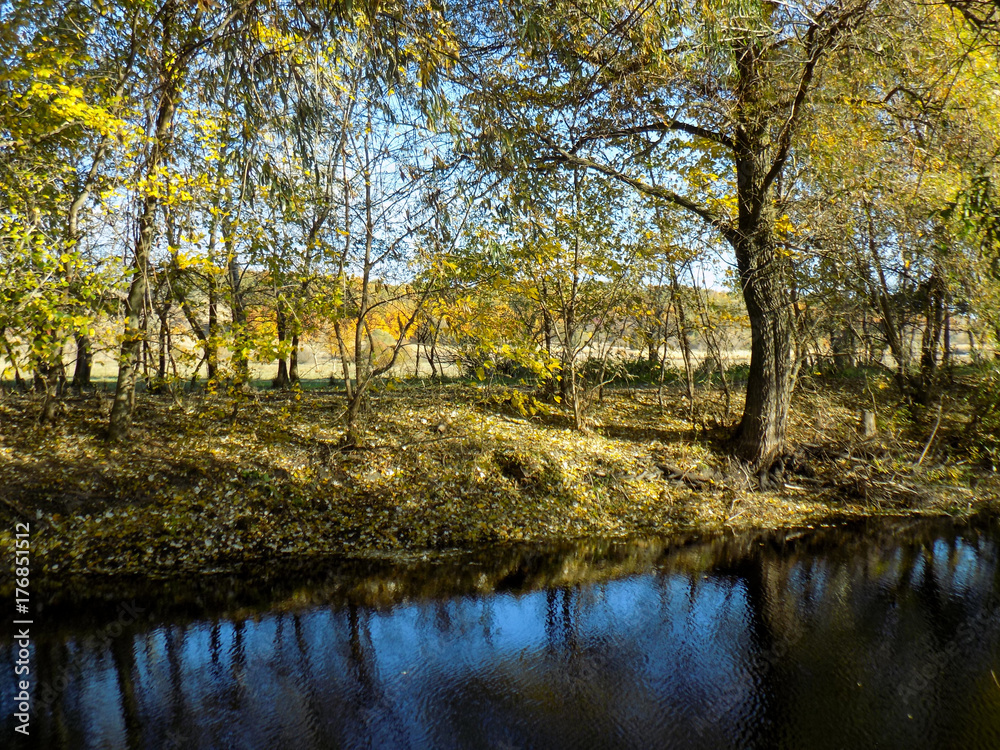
(205, 484)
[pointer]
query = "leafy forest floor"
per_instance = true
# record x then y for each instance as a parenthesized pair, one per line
(212, 483)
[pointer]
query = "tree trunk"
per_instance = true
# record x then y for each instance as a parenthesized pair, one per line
(946, 347)
(760, 437)
(18, 380)
(293, 359)
(930, 342)
(432, 354)
(684, 342)
(345, 362)
(281, 379)
(241, 361)
(128, 362)
(212, 343)
(161, 362)
(547, 329)
(354, 433)
(48, 383)
(84, 362)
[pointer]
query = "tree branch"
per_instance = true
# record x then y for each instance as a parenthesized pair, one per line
(665, 126)
(670, 196)
(818, 41)
(42, 137)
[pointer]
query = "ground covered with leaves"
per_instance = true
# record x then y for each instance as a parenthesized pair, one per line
(214, 483)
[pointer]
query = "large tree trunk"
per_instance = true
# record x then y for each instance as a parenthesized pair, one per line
(761, 435)
(124, 403)
(763, 271)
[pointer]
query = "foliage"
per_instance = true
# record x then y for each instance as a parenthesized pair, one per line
(984, 434)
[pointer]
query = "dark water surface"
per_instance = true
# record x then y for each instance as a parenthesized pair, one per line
(884, 635)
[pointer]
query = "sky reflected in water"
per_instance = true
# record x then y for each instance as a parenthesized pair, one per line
(885, 637)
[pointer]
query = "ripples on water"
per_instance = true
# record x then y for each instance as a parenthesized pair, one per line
(885, 636)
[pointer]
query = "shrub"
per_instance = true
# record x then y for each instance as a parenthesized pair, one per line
(984, 431)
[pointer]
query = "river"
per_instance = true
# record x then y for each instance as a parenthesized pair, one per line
(884, 634)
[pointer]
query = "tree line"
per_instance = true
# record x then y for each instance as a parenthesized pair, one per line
(534, 182)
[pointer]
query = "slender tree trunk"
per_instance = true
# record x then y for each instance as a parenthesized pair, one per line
(362, 361)
(713, 344)
(432, 354)
(161, 363)
(293, 357)
(281, 379)
(212, 342)
(18, 380)
(685, 343)
(946, 347)
(84, 362)
(241, 360)
(124, 401)
(547, 328)
(930, 342)
(84, 354)
(48, 382)
(416, 356)
(893, 329)
(345, 360)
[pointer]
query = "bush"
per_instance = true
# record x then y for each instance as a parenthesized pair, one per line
(633, 370)
(984, 431)
(739, 373)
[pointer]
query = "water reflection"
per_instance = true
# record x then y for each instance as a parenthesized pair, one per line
(883, 636)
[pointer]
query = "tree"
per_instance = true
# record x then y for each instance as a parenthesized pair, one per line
(574, 252)
(183, 33)
(877, 251)
(54, 136)
(700, 88)
(393, 208)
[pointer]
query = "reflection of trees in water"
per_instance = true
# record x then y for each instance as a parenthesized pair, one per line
(124, 660)
(758, 641)
(885, 616)
(52, 661)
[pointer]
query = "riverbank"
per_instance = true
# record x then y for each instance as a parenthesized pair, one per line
(222, 484)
